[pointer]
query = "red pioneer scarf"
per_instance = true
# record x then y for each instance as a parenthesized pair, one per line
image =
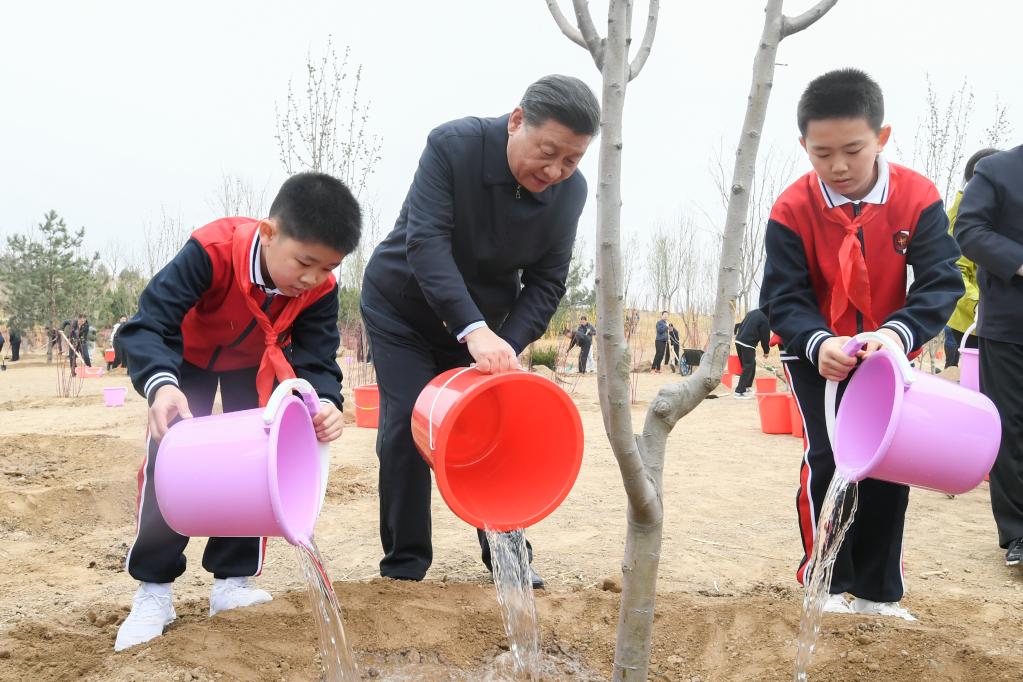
(852, 287)
(273, 364)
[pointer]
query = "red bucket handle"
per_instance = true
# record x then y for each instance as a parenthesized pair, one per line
(852, 348)
(437, 395)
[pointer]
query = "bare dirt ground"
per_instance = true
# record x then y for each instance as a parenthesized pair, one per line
(727, 609)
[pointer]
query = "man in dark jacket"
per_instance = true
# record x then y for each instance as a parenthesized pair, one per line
(990, 233)
(753, 329)
(660, 343)
(473, 270)
(583, 337)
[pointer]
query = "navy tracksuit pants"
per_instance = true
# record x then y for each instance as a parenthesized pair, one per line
(157, 555)
(869, 564)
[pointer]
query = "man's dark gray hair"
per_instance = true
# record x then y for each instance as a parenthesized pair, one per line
(565, 99)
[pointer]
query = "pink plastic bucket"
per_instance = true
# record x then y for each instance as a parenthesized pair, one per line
(969, 363)
(114, 396)
(252, 473)
(901, 425)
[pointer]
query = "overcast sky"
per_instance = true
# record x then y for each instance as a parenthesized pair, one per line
(111, 110)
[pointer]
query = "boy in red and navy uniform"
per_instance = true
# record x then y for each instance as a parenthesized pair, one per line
(838, 242)
(244, 303)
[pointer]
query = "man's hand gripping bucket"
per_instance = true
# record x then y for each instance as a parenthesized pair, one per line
(252, 473)
(905, 426)
(505, 448)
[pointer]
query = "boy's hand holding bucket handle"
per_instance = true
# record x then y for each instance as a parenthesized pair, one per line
(492, 354)
(833, 363)
(328, 422)
(168, 403)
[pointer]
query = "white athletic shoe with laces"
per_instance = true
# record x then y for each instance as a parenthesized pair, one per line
(233, 593)
(151, 611)
(881, 608)
(837, 603)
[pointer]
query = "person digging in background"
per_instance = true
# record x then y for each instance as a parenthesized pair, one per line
(990, 232)
(245, 303)
(753, 329)
(473, 271)
(838, 242)
(582, 337)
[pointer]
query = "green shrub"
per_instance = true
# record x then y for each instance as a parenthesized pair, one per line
(544, 356)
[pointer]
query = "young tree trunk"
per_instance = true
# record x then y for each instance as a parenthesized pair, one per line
(641, 458)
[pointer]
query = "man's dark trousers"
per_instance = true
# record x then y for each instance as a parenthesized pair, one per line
(405, 363)
(748, 360)
(584, 355)
(1001, 371)
(157, 553)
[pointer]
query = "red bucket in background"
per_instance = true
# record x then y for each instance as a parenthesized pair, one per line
(774, 413)
(795, 417)
(505, 448)
(367, 406)
(109, 355)
(767, 385)
(726, 379)
(734, 366)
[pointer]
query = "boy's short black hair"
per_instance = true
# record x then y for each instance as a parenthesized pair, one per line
(316, 207)
(582, 317)
(844, 93)
(971, 164)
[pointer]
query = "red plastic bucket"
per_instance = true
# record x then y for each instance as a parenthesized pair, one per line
(795, 417)
(734, 366)
(767, 385)
(774, 412)
(109, 355)
(505, 448)
(367, 406)
(726, 379)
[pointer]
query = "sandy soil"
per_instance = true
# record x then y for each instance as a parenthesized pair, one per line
(727, 609)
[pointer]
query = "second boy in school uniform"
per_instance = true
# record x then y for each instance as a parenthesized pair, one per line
(838, 243)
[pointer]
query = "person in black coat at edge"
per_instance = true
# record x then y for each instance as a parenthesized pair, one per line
(989, 230)
(473, 271)
(754, 328)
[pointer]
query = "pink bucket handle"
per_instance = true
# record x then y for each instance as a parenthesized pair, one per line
(966, 335)
(312, 403)
(851, 348)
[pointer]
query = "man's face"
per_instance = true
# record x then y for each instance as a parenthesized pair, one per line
(295, 266)
(124, 318)
(544, 155)
(664, 316)
(842, 151)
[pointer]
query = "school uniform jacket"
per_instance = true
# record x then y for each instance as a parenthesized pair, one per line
(907, 227)
(194, 310)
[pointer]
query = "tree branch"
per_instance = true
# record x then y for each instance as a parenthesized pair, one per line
(570, 31)
(594, 43)
(648, 39)
(790, 25)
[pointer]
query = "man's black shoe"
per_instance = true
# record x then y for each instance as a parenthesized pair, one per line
(1015, 553)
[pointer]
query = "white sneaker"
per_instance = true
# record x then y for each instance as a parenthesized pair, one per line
(233, 593)
(881, 608)
(837, 603)
(151, 611)
(745, 395)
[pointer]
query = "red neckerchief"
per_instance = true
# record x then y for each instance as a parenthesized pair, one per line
(852, 288)
(273, 364)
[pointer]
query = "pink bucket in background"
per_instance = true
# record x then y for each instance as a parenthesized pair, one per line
(114, 397)
(898, 424)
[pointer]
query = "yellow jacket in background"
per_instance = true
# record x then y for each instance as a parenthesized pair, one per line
(966, 306)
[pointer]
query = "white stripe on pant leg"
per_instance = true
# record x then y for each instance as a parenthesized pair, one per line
(142, 501)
